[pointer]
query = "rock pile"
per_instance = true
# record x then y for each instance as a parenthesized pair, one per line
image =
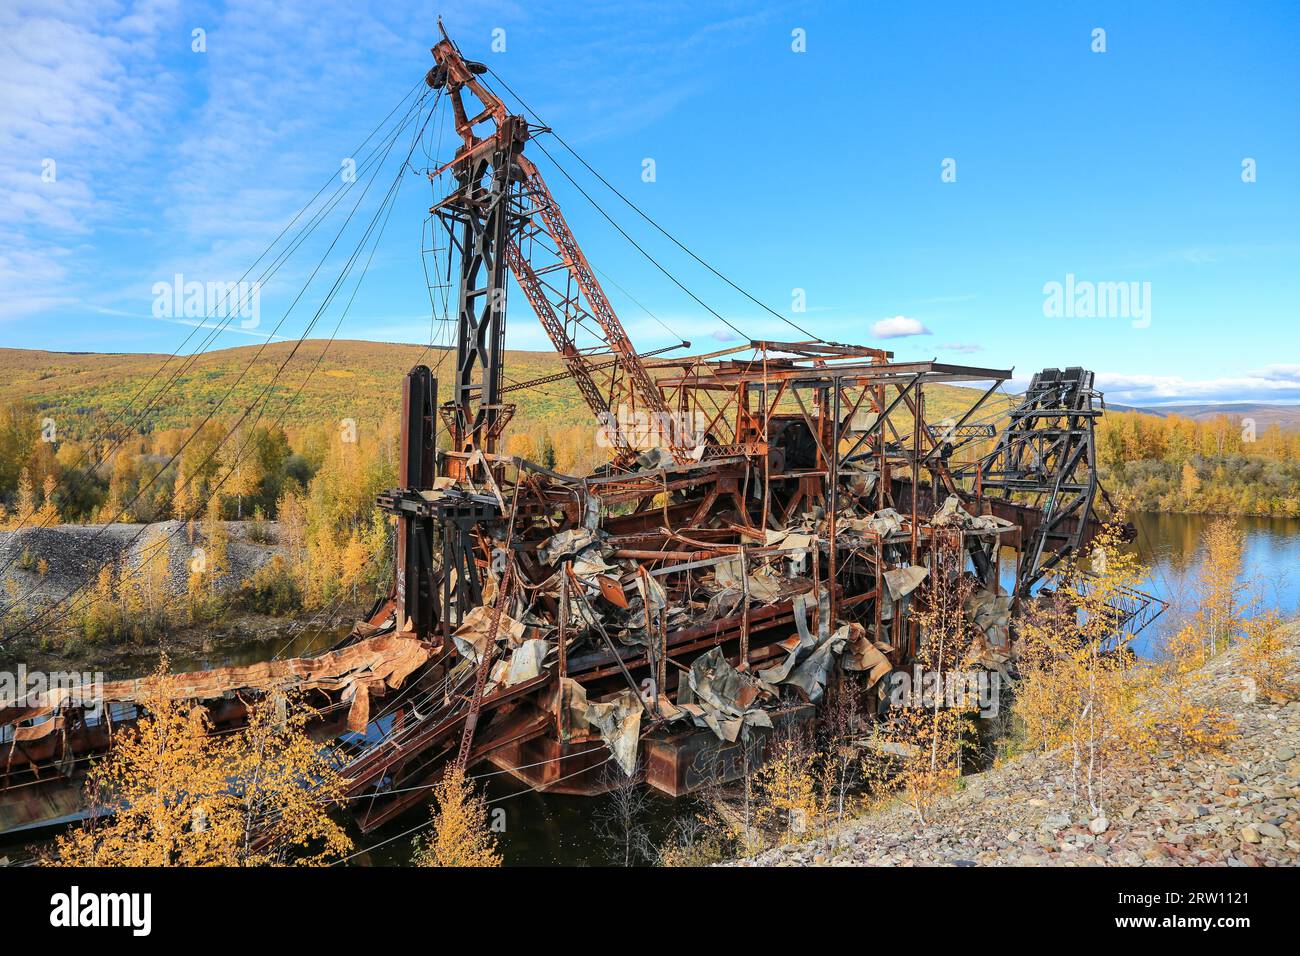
(48, 563)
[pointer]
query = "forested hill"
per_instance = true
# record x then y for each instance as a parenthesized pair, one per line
(1169, 461)
(360, 380)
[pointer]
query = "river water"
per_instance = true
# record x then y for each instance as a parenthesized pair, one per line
(1171, 545)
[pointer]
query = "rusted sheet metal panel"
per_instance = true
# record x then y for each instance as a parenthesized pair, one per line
(685, 762)
(368, 666)
(545, 764)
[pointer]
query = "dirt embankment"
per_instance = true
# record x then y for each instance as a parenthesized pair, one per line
(49, 567)
(46, 564)
(1240, 808)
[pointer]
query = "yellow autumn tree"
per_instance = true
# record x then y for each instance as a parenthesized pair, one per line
(917, 751)
(208, 564)
(523, 444)
(352, 563)
(48, 514)
(151, 597)
(917, 754)
(1078, 689)
(1220, 592)
(787, 791)
(170, 793)
(461, 834)
(183, 501)
(1177, 713)
(1264, 660)
(25, 503)
(292, 516)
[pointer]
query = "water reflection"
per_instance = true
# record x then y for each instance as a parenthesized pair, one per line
(1172, 546)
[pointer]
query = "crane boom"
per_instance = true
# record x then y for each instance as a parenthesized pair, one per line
(507, 217)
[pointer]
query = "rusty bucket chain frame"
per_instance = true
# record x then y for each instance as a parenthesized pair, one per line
(788, 425)
(784, 424)
(1046, 456)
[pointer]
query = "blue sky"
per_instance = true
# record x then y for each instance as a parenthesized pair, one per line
(819, 170)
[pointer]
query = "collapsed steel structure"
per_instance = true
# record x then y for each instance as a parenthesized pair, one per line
(767, 512)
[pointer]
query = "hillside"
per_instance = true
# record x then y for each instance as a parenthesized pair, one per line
(356, 379)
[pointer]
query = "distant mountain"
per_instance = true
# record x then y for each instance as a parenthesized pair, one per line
(1288, 416)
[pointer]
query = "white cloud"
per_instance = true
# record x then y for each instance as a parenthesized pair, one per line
(168, 160)
(1281, 373)
(898, 326)
(1273, 383)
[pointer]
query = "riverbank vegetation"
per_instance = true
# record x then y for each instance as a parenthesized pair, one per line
(169, 792)
(306, 491)
(461, 832)
(1224, 465)
(305, 494)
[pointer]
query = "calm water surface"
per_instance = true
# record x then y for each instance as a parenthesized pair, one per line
(1172, 546)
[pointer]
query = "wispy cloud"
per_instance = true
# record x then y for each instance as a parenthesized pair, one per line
(126, 156)
(652, 76)
(85, 95)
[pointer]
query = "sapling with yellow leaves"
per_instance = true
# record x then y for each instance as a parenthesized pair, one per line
(917, 750)
(462, 832)
(1264, 661)
(1077, 689)
(171, 793)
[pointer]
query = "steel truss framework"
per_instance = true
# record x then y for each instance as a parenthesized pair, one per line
(804, 436)
(1047, 456)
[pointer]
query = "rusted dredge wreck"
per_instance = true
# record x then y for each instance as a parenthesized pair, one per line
(766, 515)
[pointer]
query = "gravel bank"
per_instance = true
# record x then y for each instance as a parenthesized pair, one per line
(75, 553)
(1241, 808)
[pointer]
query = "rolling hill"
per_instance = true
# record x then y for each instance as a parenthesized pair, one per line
(1288, 416)
(355, 379)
